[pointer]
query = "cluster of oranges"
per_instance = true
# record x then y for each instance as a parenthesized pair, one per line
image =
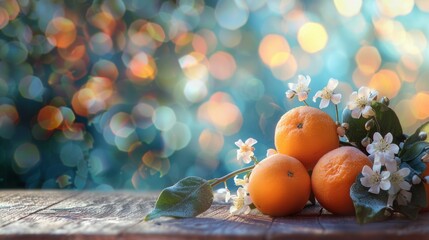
(306, 141)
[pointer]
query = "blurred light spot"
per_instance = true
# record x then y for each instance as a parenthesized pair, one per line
(368, 59)
(115, 7)
(143, 68)
(177, 137)
(280, 6)
(156, 163)
(142, 115)
(194, 66)
(221, 113)
(337, 62)
(222, 65)
(348, 8)
(253, 5)
(393, 8)
(361, 79)
(229, 15)
(386, 82)
(199, 44)
(71, 154)
(404, 110)
(423, 5)
(195, 90)
(105, 68)
(101, 43)
(211, 142)
(99, 162)
(312, 37)
(13, 52)
(250, 88)
(412, 61)
(74, 52)
(30, 87)
(61, 32)
(40, 133)
(124, 144)
(274, 50)
(230, 38)
(94, 97)
(122, 124)
(406, 74)
(420, 105)
(164, 118)
(26, 155)
(74, 131)
(63, 181)
(4, 18)
(49, 117)
(103, 21)
(286, 70)
(12, 8)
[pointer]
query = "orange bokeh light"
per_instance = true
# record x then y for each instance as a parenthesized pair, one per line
(142, 68)
(50, 117)
(274, 50)
(420, 105)
(61, 32)
(222, 65)
(386, 82)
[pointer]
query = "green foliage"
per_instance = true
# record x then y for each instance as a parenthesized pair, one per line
(412, 156)
(418, 201)
(369, 207)
(187, 198)
(415, 137)
(389, 122)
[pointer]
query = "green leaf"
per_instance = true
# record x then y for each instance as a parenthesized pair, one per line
(418, 201)
(415, 137)
(187, 198)
(369, 207)
(413, 151)
(386, 117)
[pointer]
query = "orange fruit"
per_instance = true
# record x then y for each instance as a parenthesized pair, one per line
(306, 133)
(279, 185)
(426, 173)
(333, 176)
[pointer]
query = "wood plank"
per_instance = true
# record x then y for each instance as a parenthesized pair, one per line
(15, 205)
(94, 215)
(216, 223)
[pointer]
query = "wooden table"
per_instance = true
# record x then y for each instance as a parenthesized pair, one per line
(119, 215)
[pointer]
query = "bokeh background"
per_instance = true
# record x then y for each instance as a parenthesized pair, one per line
(139, 94)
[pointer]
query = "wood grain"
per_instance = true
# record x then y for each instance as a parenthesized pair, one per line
(119, 215)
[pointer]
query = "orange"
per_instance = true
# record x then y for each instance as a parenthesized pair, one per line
(426, 173)
(333, 176)
(306, 133)
(279, 185)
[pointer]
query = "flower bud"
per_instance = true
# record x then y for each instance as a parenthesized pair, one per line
(385, 101)
(423, 136)
(426, 179)
(369, 124)
(416, 179)
(366, 141)
(345, 126)
(341, 131)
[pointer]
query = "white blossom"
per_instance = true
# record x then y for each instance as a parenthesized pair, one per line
(360, 102)
(383, 151)
(245, 151)
(243, 182)
(300, 88)
(398, 182)
(327, 94)
(375, 180)
(416, 180)
(240, 202)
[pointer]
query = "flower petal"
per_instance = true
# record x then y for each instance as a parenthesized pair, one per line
(317, 95)
(251, 142)
(365, 182)
(364, 91)
(367, 171)
(388, 138)
(405, 185)
(302, 96)
(324, 103)
(356, 113)
(336, 98)
(292, 86)
(374, 189)
(385, 185)
(306, 80)
(239, 143)
(377, 137)
(403, 172)
(332, 84)
(368, 112)
(394, 148)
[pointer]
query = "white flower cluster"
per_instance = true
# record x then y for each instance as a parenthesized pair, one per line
(385, 173)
